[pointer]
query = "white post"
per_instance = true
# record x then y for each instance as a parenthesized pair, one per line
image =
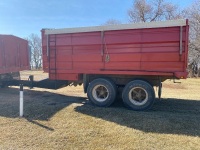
(21, 101)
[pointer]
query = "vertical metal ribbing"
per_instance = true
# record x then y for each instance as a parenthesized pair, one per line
(102, 43)
(48, 52)
(181, 40)
(47, 45)
(52, 54)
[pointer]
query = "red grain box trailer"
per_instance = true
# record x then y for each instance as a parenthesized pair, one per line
(134, 57)
(14, 57)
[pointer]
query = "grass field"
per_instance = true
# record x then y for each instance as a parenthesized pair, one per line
(65, 119)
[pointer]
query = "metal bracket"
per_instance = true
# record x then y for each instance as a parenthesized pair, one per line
(159, 88)
(175, 81)
(107, 58)
(31, 79)
(85, 82)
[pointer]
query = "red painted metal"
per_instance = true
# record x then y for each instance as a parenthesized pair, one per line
(148, 51)
(14, 55)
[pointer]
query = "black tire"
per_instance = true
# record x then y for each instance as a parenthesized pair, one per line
(138, 95)
(102, 92)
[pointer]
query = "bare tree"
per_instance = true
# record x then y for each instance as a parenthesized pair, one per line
(35, 51)
(156, 10)
(193, 13)
(152, 10)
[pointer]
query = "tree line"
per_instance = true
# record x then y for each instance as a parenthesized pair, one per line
(148, 11)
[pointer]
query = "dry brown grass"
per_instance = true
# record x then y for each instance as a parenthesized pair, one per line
(64, 119)
(38, 75)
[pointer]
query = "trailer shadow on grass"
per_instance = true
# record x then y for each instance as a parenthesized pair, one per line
(167, 116)
(38, 105)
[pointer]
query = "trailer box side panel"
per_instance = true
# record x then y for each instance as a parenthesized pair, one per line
(148, 50)
(14, 54)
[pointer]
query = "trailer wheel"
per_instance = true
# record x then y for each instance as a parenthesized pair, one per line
(102, 92)
(138, 95)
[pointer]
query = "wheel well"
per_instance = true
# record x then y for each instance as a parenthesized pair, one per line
(89, 78)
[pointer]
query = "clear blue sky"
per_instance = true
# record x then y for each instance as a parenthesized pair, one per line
(23, 17)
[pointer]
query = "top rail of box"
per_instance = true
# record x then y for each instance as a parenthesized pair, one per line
(141, 25)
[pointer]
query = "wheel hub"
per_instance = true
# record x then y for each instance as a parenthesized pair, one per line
(100, 93)
(138, 96)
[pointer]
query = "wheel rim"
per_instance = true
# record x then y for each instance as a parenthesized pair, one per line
(100, 93)
(138, 96)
